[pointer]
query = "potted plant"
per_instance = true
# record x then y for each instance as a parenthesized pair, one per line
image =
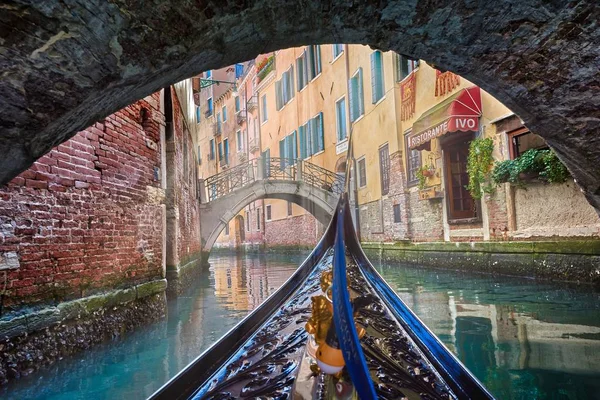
(424, 173)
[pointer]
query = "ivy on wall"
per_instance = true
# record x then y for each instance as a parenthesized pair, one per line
(543, 164)
(479, 164)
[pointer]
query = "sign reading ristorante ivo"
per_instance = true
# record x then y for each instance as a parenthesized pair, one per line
(452, 124)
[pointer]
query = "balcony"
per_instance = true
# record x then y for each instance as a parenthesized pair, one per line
(252, 106)
(253, 145)
(264, 67)
(241, 117)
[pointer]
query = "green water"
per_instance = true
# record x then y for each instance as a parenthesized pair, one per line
(523, 340)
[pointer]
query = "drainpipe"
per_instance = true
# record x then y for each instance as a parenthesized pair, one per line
(352, 187)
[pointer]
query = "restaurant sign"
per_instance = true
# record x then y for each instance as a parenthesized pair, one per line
(451, 124)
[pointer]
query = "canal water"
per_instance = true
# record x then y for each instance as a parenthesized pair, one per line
(522, 339)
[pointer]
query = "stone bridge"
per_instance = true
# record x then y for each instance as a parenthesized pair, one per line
(314, 188)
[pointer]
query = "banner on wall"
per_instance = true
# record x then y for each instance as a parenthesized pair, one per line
(408, 95)
(445, 82)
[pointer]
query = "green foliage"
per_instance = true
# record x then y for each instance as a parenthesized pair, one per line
(533, 161)
(421, 176)
(479, 163)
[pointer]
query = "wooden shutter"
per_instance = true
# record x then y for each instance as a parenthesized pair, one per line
(351, 99)
(384, 169)
(374, 77)
(299, 77)
(361, 97)
(320, 134)
(278, 95)
(302, 134)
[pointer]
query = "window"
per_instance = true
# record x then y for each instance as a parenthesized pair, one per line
(209, 107)
(362, 173)
(284, 88)
(258, 219)
(266, 156)
(219, 124)
(197, 114)
(397, 216)
(340, 114)
(268, 210)
(520, 140)
(289, 208)
(227, 229)
(226, 150)
(377, 76)
(311, 137)
(208, 74)
(314, 61)
(264, 108)
(248, 221)
(384, 169)
(199, 156)
(357, 106)
(224, 109)
(237, 104)
(302, 70)
(220, 145)
(211, 155)
(288, 152)
(404, 66)
(413, 162)
(338, 49)
(238, 140)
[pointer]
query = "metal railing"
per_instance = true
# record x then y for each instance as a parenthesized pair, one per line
(273, 168)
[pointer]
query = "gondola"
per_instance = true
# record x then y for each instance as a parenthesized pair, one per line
(334, 329)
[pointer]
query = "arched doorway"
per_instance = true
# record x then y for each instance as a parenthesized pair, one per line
(340, 170)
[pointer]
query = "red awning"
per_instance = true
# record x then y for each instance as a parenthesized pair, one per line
(459, 112)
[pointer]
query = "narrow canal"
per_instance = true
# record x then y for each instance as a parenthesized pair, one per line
(523, 340)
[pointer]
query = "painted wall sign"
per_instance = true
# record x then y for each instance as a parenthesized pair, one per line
(451, 124)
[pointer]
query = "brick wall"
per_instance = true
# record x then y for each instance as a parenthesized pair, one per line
(302, 230)
(377, 217)
(186, 188)
(87, 215)
(425, 218)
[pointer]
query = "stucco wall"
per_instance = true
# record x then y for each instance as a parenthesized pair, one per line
(554, 210)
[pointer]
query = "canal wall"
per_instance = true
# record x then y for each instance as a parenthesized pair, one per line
(572, 261)
(33, 338)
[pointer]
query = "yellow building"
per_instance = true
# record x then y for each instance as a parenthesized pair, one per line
(412, 126)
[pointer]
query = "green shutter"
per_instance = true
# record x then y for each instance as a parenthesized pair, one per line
(309, 129)
(294, 147)
(278, 95)
(351, 99)
(292, 90)
(374, 77)
(302, 134)
(282, 154)
(361, 97)
(321, 134)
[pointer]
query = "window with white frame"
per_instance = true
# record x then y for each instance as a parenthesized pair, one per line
(197, 114)
(357, 105)
(224, 110)
(362, 173)
(284, 88)
(239, 140)
(209, 107)
(377, 89)
(338, 49)
(264, 108)
(340, 115)
(404, 66)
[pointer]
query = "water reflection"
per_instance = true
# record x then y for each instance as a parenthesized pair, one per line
(521, 339)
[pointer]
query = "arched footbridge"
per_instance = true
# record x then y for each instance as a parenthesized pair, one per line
(225, 194)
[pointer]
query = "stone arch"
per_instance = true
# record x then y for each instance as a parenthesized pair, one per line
(216, 214)
(506, 47)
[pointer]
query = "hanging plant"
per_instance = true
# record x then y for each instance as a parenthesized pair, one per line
(479, 163)
(423, 173)
(543, 164)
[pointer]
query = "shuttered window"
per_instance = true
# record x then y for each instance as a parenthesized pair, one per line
(404, 66)
(362, 173)
(384, 169)
(219, 123)
(377, 90)
(224, 113)
(337, 50)
(413, 162)
(357, 106)
(237, 104)
(302, 141)
(284, 88)
(314, 61)
(226, 150)
(302, 71)
(340, 115)
(266, 156)
(211, 155)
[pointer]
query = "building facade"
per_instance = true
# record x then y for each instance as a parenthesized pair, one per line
(412, 126)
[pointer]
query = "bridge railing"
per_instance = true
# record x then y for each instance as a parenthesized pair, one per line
(273, 168)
